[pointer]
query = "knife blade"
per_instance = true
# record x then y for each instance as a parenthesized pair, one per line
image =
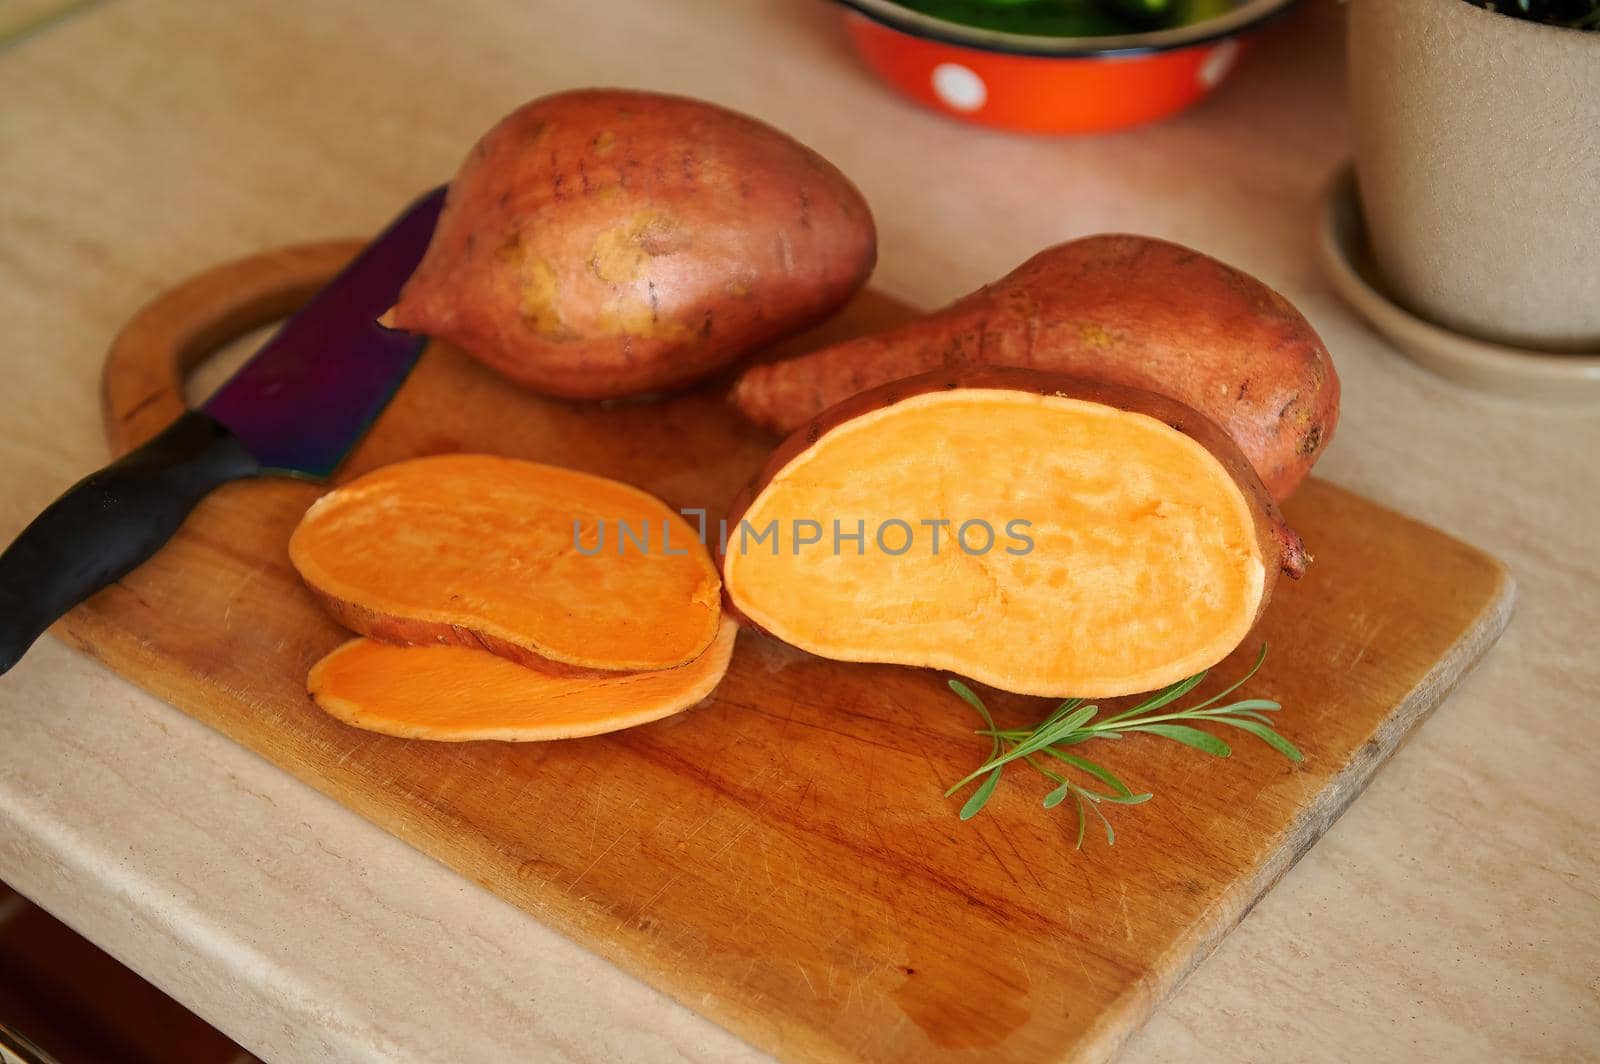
(310, 393)
(296, 408)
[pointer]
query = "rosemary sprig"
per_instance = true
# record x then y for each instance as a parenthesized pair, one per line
(1074, 722)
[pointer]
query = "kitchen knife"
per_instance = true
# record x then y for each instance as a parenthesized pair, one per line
(296, 408)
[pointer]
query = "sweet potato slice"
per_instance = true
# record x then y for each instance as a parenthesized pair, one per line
(480, 551)
(1125, 309)
(455, 693)
(1154, 546)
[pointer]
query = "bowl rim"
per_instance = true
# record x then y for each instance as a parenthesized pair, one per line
(1247, 16)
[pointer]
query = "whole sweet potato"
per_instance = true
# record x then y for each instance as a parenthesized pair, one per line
(1126, 310)
(603, 243)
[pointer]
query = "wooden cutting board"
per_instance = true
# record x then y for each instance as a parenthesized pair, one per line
(780, 858)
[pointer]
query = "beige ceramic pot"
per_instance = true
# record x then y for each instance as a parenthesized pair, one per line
(1477, 151)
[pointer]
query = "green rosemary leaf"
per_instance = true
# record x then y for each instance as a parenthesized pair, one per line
(1265, 705)
(1083, 735)
(1166, 695)
(972, 700)
(1205, 742)
(1176, 691)
(1240, 682)
(1062, 710)
(1046, 773)
(1098, 771)
(1123, 799)
(1111, 835)
(1067, 724)
(980, 797)
(1037, 741)
(1265, 733)
(1073, 722)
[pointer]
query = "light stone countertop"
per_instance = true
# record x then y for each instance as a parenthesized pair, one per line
(1452, 914)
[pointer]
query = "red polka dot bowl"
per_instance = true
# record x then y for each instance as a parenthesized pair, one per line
(1051, 84)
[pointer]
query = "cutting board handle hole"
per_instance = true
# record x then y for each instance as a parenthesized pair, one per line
(222, 312)
(215, 367)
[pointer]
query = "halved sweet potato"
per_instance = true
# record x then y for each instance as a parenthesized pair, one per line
(455, 693)
(604, 242)
(1154, 546)
(481, 551)
(1130, 310)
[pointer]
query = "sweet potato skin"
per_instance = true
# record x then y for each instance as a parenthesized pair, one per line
(1127, 310)
(603, 243)
(409, 631)
(1281, 548)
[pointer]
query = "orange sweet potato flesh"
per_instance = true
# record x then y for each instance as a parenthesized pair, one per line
(456, 693)
(1128, 310)
(1155, 545)
(604, 243)
(478, 551)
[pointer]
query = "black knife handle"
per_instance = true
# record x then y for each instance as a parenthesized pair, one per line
(108, 523)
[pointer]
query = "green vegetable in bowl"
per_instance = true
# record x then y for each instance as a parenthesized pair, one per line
(1046, 18)
(1143, 13)
(1199, 10)
(1574, 14)
(1164, 14)
(1072, 18)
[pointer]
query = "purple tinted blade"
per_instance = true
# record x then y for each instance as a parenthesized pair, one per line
(309, 394)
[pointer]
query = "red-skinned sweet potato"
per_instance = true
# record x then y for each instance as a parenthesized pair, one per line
(1128, 310)
(1154, 545)
(603, 243)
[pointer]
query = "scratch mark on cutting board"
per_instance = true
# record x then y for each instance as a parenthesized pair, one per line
(590, 867)
(698, 828)
(869, 802)
(1027, 973)
(807, 977)
(599, 800)
(983, 836)
(1369, 636)
(652, 899)
(766, 866)
(233, 596)
(933, 770)
(1026, 864)
(856, 991)
(734, 838)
